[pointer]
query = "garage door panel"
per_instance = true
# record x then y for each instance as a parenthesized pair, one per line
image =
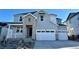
(43, 35)
(62, 36)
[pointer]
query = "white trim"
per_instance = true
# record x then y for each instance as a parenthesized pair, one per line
(53, 14)
(45, 30)
(62, 30)
(44, 11)
(15, 24)
(29, 14)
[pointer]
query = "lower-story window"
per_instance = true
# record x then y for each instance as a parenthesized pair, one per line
(21, 30)
(17, 30)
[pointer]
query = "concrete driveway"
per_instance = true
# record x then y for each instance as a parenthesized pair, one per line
(40, 44)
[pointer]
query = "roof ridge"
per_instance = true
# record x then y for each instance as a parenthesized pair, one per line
(26, 13)
(72, 15)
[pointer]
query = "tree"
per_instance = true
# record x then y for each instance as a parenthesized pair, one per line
(3, 24)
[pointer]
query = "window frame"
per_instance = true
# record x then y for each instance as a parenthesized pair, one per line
(20, 19)
(29, 19)
(42, 18)
(17, 30)
(21, 31)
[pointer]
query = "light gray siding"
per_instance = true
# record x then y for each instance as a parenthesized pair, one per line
(49, 22)
(74, 23)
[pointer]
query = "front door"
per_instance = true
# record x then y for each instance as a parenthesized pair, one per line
(29, 30)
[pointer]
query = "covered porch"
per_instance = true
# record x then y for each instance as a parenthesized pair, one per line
(15, 31)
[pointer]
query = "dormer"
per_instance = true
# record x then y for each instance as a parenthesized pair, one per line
(42, 12)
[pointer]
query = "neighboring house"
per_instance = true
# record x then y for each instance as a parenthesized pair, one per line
(73, 25)
(38, 25)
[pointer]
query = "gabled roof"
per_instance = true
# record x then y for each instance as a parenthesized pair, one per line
(72, 15)
(26, 13)
(3, 24)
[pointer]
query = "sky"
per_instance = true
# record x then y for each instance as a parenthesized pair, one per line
(6, 15)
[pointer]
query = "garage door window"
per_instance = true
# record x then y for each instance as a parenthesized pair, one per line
(45, 31)
(45, 35)
(52, 31)
(62, 31)
(38, 31)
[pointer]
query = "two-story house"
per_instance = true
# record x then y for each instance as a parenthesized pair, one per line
(39, 25)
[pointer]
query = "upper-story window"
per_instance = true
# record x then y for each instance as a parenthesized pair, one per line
(20, 18)
(42, 18)
(29, 19)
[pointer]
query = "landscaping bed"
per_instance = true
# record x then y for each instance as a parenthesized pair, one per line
(16, 44)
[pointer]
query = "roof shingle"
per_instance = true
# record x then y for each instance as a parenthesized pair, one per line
(26, 13)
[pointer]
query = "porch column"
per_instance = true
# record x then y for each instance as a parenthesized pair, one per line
(34, 31)
(24, 31)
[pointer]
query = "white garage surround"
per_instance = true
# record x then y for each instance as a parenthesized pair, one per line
(62, 35)
(45, 35)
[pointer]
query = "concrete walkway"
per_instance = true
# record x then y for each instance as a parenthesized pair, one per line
(40, 44)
